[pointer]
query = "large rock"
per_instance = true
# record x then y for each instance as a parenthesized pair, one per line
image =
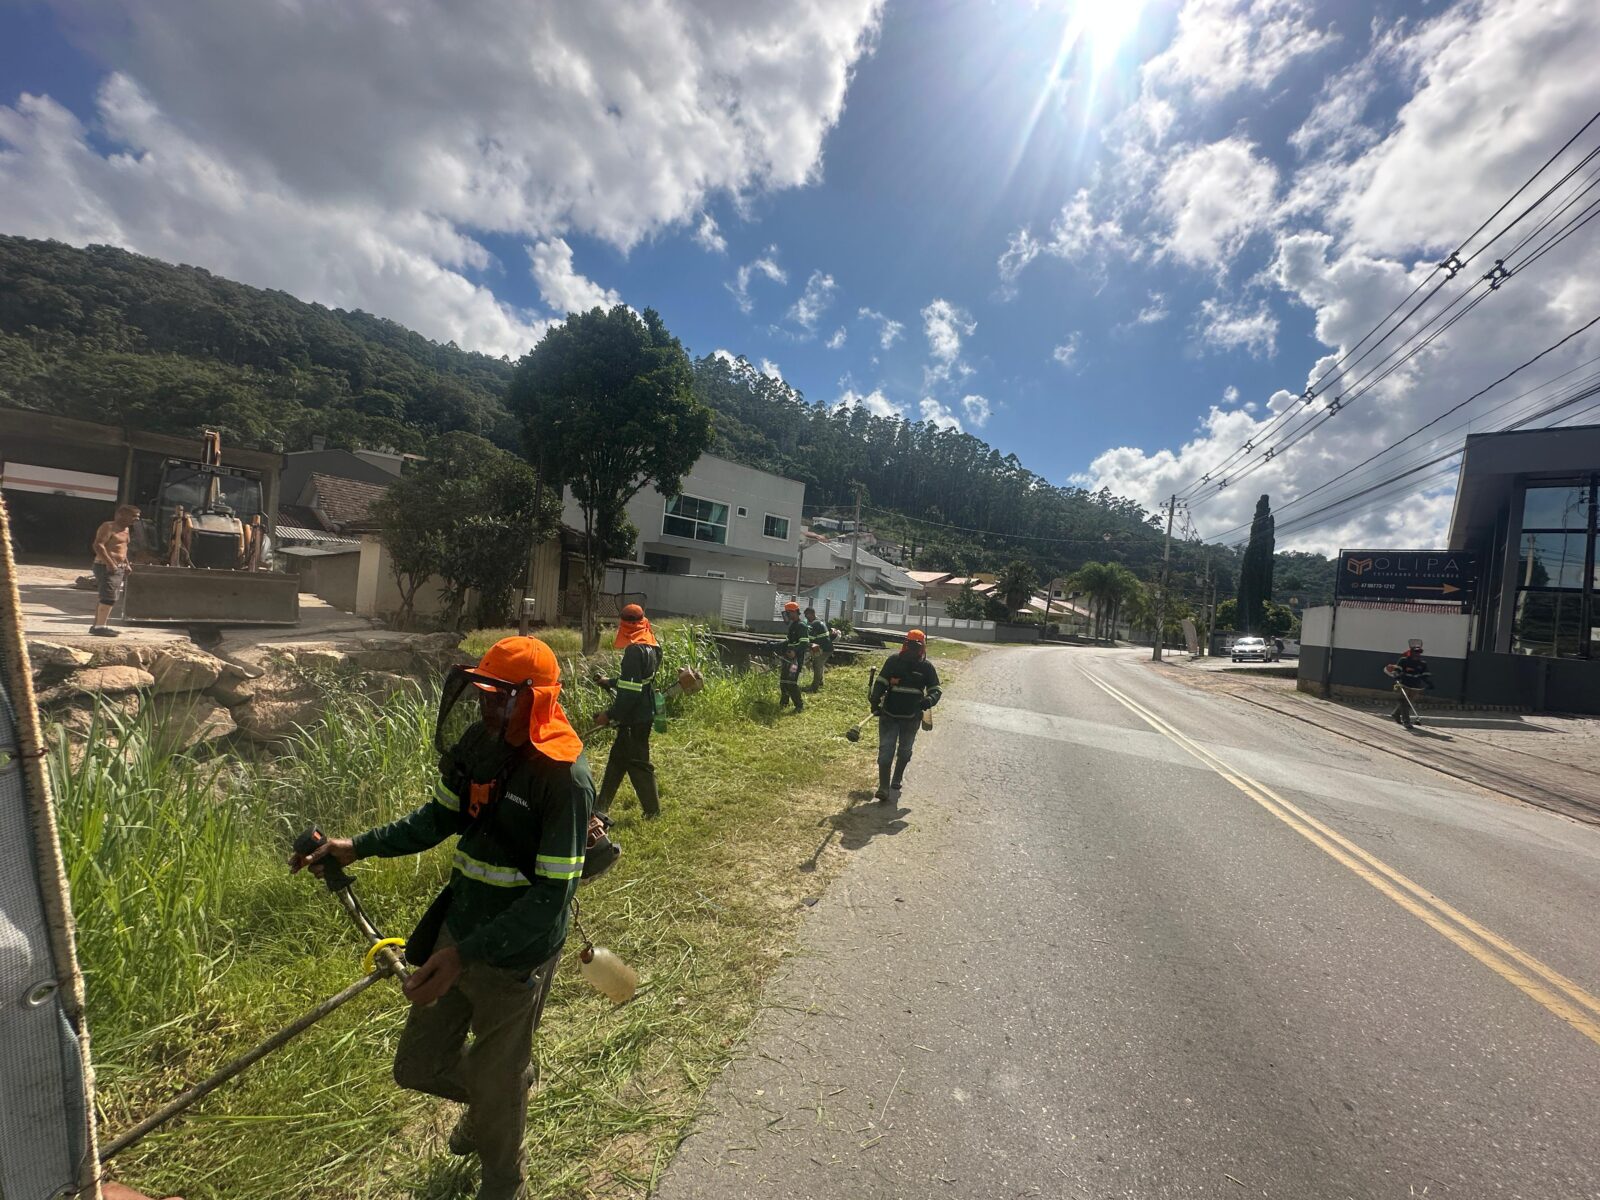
(184, 668)
(389, 658)
(383, 685)
(57, 654)
(232, 691)
(271, 718)
(78, 716)
(98, 680)
(185, 719)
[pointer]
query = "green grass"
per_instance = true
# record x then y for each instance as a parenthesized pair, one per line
(196, 942)
(946, 650)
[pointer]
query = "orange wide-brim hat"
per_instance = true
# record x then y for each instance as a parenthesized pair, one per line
(527, 660)
(633, 629)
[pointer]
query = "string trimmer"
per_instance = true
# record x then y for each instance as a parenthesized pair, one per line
(853, 734)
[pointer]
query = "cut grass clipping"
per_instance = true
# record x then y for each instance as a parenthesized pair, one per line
(196, 942)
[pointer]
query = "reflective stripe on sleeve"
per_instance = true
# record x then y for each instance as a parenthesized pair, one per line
(913, 691)
(488, 873)
(552, 867)
(445, 798)
(630, 685)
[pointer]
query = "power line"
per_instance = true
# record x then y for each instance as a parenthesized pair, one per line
(1453, 264)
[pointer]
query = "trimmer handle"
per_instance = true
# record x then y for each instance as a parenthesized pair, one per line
(334, 875)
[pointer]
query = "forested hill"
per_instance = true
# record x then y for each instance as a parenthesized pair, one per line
(110, 336)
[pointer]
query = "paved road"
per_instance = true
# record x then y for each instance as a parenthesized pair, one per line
(1157, 943)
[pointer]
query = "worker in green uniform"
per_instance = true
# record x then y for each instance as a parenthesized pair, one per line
(821, 647)
(632, 713)
(796, 645)
(515, 790)
(905, 689)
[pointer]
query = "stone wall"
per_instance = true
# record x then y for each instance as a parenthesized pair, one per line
(259, 692)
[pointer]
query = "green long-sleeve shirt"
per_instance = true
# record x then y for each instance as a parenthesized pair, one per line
(497, 913)
(635, 702)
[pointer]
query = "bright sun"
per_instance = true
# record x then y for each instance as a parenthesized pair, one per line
(1101, 26)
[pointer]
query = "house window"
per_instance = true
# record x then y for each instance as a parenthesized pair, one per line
(1556, 584)
(743, 511)
(776, 527)
(697, 519)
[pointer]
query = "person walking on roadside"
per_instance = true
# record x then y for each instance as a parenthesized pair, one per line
(796, 645)
(1411, 678)
(110, 565)
(906, 688)
(821, 647)
(632, 713)
(516, 792)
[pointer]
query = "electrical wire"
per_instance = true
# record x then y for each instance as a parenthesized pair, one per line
(1453, 260)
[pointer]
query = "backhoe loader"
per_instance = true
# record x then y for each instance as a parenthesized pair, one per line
(208, 527)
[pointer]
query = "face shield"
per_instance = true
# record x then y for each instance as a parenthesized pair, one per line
(471, 699)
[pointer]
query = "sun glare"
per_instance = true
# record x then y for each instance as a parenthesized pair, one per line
(1100, 27)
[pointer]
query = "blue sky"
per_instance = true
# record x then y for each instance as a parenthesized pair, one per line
(1113, 239)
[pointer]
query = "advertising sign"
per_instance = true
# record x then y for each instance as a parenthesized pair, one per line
(1191, 637)
(1408, 575)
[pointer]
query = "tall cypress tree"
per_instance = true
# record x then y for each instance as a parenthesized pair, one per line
(1255, 572)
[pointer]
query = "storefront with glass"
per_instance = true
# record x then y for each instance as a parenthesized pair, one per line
(1527, 502)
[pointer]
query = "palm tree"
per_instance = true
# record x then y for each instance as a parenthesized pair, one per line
(1015, 584)
(1123, 586)
(1092, 579)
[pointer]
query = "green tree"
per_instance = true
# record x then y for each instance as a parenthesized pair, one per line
(607, 408)
(1016, 583)
(1228, 616)
(1255, 572)
(413, 524)
(965, 606)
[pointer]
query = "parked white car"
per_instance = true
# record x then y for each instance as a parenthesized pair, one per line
(1254, 649)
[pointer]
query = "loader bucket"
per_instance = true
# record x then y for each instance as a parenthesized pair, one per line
(195, 596)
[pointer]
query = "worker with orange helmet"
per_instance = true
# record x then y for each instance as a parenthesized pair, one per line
(796, 645)
(905, 689)
(632, 713)
(515, 791)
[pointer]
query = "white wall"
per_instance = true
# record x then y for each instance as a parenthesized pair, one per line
(717, 479)
(377, 594)
(1443, 634)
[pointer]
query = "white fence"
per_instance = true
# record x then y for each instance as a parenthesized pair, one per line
(952, 627)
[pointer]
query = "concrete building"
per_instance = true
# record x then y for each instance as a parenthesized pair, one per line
(881, 586)
(1526, 633)
(706, 551)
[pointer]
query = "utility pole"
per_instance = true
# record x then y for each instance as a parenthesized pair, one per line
(855, 545)
(1166, 569)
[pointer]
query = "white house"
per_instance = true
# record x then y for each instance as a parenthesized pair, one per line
(880, 586)
(707, 550)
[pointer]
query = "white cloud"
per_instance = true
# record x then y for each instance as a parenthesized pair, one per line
(709, 237)
(837, 341)
(1234, 327)
(1230, 395)
(766, 265)
(168, 197)
(771, 369)
(1214, 198)
(938, 414)
(562, 288)
(1154, 312)
(945, 326)
(1067, 352)
(814, 300)
(977, 410)
(1225, 46)
(888, 330)
(351, 153)
(1077, 235)
(875, 402)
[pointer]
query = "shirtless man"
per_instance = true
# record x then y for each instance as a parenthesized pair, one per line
(110, 561)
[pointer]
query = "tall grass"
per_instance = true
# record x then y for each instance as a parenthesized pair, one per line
(197, 943)
(150, 838)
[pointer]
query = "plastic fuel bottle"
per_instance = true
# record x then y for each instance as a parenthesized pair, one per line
(607, 973)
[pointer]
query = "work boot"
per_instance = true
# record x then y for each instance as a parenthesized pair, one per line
(882, 794)
(894, 793)
(103, 631)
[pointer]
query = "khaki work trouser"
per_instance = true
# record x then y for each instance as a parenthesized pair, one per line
(501, 1009)
(819, 666)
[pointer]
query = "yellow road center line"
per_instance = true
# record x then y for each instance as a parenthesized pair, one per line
(1421, 903)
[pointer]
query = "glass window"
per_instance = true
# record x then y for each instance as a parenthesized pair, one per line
(1548, 623)
(697, 519)
(1564, 507)
(776, 527)
(1552, 560)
